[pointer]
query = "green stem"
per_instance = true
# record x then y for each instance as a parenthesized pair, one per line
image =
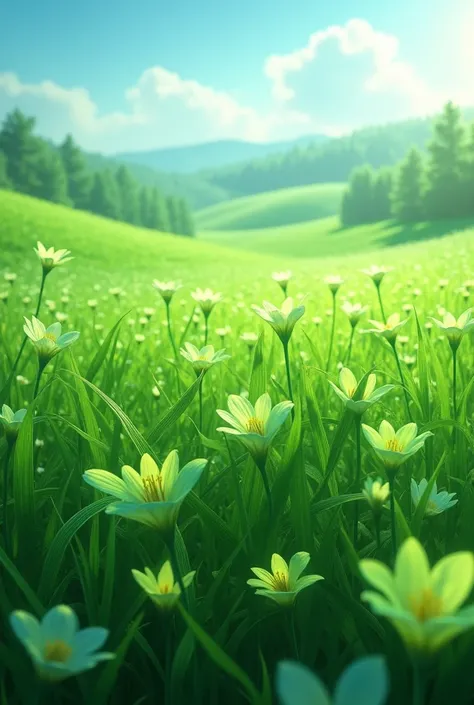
(357, 421)
(206, 328)
(402, 378)
(391, 480)
(170, 544)
(418, 685)
(23, 342)
(377, 530)
(379, 295)
(170, 332)
(288, 371)
(6, 533)
(261, 466)
(455, 373)
(41, 367)
(349, 349)
(200, 406)
(333, 328)
(293, 634)
(244, 521)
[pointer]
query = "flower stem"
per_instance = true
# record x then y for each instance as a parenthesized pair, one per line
(418, 685)
(200, 406)
(391, 480)
(244, 521)
(402, 378)
(261, 466)
(294, 639)
(357, 421)
(333, 328)
(379, 295)
(23, 342)
(38, 379)
(6, 533)
(349, 349)
(206, 327)
(377, 530)
(170, 331)
(288, 371)
(170, 545)
(455, 374)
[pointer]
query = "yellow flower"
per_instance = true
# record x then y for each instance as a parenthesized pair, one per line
(202, 360)
(207, 299)
(393, 448)
(376, 493)
(281, 320)
(348, 386)
(51, 258)
(422, 604)
(48, 341)
(162, 589)
(388, 330)
(284, 582)
(455, 329)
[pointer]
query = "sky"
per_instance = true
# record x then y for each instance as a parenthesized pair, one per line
(129, 76)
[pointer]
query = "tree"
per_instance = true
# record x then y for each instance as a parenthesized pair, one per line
(157, 212)
(408, 202)
(357, 203)
(78, 179)
(128, 195)
(104, 199)
(52, 179)
(174, 214)
(22, 150)
(444, 195)
(186, 223)
(469, 175)
(144, 206)
(381, 195)
(4, 180)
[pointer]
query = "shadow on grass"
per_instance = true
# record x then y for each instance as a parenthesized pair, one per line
(393, 233)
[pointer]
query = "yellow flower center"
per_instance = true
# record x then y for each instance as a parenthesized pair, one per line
(57, 651)
(280, 582)
(425, 605)
(255, 425)
(50, 336)
(394, 444)
(153, 488)
(431, 507)
(351, 391)
(165, 589)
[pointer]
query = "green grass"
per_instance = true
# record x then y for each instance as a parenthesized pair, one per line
(98, 407)
(276, 208)
(325, 237)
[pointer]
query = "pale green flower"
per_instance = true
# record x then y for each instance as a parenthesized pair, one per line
(282, 279)
(388, 330)
(58, 648)
(422, 604)
(281, 320)
(438, 502)
(455, 329)
(254, 426)
(166, 289)
(203, 359)
(354, 312)
(376, 273)
(51, 258)
(284, 582)
(394, 448)
(348, 386)
(48, 342)
(250, 338)
(334, 282)
(364, 682)
(207, 299)
(153, 496)
(162, 588)
(376, 493)
(11, 421)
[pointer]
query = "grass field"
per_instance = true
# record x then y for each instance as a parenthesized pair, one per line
(292, 485)
(273, 209)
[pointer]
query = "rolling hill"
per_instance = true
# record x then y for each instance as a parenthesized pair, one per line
(276, 208)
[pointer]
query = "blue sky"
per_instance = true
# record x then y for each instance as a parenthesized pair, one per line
(149, 73)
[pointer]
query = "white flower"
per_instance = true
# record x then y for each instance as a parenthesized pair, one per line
(354, 312)
(282, 278)
(51, 258)
(207, 299)
(166, 289)
(455, 329)
(394, 448)
(376, 273)
(348, 386)
(376, 492)
(438, 502)
(203, 359)
(281, 320)
(334, 282)
(11, 421)
(388, 330)
(48, 341)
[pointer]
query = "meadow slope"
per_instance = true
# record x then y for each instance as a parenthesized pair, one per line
(275, 208)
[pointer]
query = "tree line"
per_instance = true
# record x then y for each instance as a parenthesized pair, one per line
(33, 166)
(431, 186)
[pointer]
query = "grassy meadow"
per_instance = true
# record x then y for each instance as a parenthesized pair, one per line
(123, 390)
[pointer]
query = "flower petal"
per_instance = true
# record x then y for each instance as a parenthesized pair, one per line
(298, 563)
(452, 579)
(297, 685)
(263, 407)
(412, 571)
(279, 565)
(107, 482)
(406, 434)
(169, 472)
(60, 623)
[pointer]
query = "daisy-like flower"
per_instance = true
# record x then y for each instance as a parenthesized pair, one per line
(48, 342)
(388, 330)
(250, 339)
(348, 386)
(139, 338)
(364, 682)
(58, 648)
(222, 332)
(166, 289)
(376, 273)
(10, 277)
(422, 603)
(394, 448)
(148, 311)
(281, 320)
(152, 496)
(254, 426)
(207, 299)
(162, 588)
(354, 312)
(92, 303)
(455, 328)
(438, 502)
(11, 422)
(282, 279)
(376, 493)
(51, 258)
(334, 282)
(202, 360)
(4, 296)
(284, 582)
(116, 292)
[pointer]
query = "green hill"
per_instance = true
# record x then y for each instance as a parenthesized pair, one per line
(276, 208)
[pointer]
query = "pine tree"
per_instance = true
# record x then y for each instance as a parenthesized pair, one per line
(186, 222)
(51, 176)
(157, 211)
(357, 202)
(4, 180)
(444, 195)
(22, 150)
(381, 195)
(79, 180)
(128, 195)
(104, 198)
(468, 177)
(174, 215)
(144, 205)
(408, 198)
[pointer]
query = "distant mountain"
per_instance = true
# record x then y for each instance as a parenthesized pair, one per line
(211, 155)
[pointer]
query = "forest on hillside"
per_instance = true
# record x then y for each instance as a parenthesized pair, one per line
(33, 166)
